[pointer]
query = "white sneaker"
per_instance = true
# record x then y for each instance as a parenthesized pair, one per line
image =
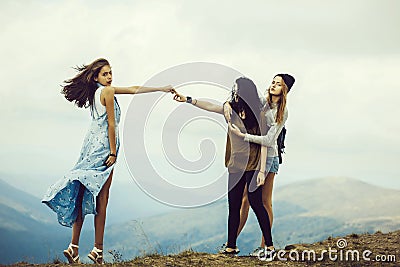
(256, 252)
(269, 254)
(264, 254)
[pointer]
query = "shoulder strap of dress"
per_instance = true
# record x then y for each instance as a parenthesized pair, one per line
(115, 100)
(94, 104)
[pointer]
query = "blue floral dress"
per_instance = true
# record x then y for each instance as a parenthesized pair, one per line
(89, 171)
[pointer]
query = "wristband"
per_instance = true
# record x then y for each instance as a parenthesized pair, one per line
(188, 99)
(112, 155)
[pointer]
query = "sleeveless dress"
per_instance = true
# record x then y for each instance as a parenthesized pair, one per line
(89, 171)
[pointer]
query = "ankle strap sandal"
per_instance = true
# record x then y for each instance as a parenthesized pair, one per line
(69, 254)
(96, 255)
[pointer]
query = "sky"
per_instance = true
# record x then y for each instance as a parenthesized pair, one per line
(345, 56)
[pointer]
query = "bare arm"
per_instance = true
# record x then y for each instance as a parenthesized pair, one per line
(142, 89)
(227, 111)
(206, 105)
(263, 161)
(108, 93)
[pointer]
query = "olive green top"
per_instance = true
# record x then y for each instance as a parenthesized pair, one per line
(241, 155)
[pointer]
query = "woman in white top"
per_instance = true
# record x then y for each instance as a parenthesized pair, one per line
(276, 116)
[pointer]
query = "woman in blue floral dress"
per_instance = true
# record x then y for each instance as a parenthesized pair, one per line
(85, 188)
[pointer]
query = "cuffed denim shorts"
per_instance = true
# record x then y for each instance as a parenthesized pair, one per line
(272, 164)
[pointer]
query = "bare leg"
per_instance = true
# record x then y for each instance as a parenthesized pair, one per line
(77, 226)
(100, 218)
(267, 199)
(244, 211)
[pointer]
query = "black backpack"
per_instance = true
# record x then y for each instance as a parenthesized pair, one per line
(281, 144)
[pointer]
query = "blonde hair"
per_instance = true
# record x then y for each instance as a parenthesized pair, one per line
(281, 103)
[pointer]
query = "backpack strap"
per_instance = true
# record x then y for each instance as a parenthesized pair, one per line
(281, 143)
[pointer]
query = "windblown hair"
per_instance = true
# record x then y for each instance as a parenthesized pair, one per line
(281, 103)
(249, 103)
(82, 87)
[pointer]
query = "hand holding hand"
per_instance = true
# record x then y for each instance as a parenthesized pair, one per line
(235, 130)
(178, 97)
(167, 89)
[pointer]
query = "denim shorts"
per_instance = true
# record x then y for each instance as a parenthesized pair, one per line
(272, 165)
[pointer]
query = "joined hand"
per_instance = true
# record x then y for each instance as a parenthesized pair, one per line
(178, 97)
(168, 89)
(235, 130)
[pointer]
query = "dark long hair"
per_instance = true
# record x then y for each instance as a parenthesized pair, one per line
(82, 87)
(249, 103)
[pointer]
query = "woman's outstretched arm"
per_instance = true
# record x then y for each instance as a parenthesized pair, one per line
(206, 105)
(142, 89)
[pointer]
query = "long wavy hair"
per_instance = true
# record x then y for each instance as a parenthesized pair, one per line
(281, 102)
(248, 104)
(82, 87)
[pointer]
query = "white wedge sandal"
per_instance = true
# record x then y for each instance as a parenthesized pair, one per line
(69, 254)
(98, 259)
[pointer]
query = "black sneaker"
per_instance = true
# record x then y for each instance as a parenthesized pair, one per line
(223, 250)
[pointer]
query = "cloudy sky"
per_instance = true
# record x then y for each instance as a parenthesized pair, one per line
(345, 56)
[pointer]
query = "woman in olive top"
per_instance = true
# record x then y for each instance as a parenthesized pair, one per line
(245, 161)
(276, 114)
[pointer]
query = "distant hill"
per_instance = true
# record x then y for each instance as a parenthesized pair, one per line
(337, 206)
(344, 198)
(28, 230)
(24, 203)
